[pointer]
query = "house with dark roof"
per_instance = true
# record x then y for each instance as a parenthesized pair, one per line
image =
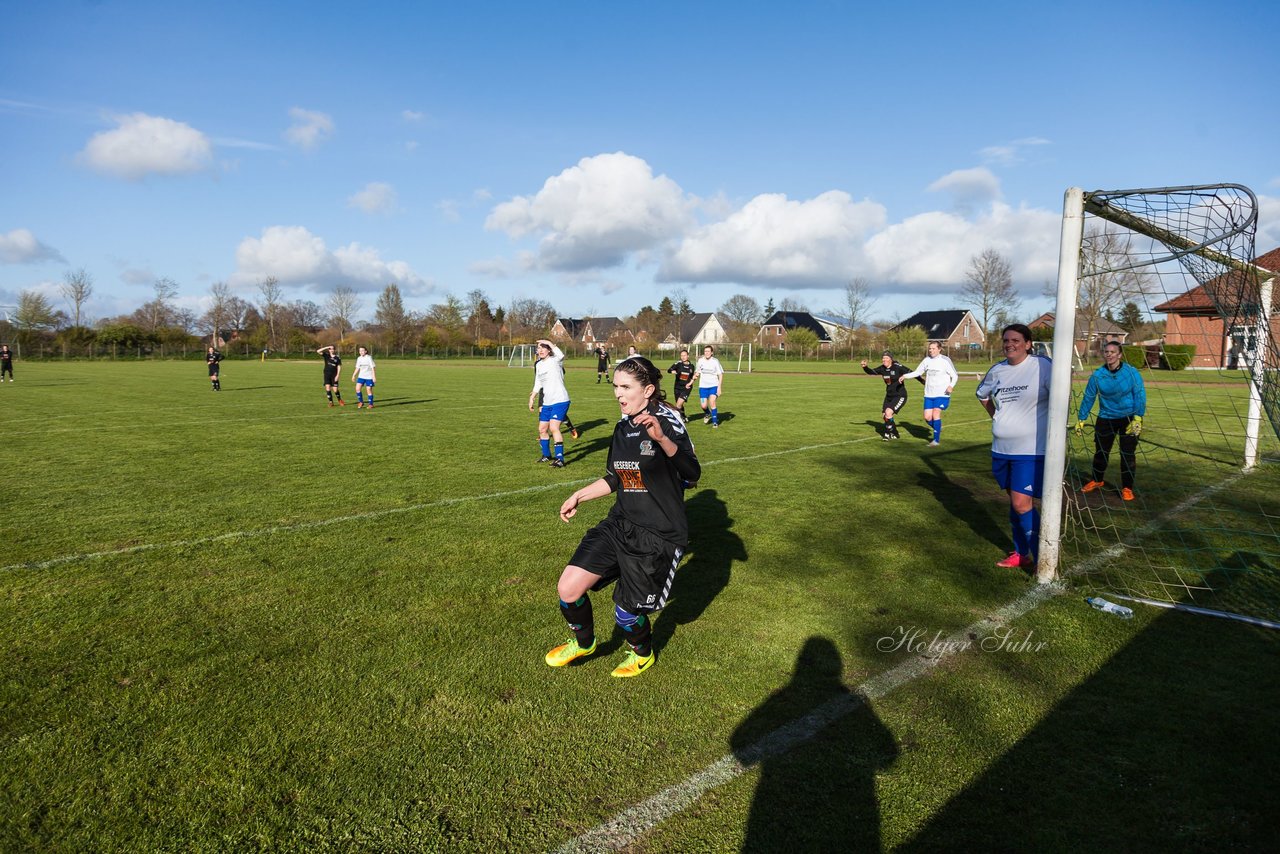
(953, 328)
(601, 330)
(567, 329)
(1088, 337)
(773, 332)
(1215, 317)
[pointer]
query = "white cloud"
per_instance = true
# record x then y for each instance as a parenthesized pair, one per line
(932, 251)
(593, 215)
(309, 128)
(1010, 152)
(376, 197)
(412, 115)
(969, 187)
(20, 246)
(295, 256)
(773, 239)
(143, 145)
(1268, 224)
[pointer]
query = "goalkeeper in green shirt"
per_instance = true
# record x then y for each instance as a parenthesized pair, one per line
(1122, 401)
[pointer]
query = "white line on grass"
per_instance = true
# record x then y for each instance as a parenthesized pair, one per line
(627, 826)
(371, 514)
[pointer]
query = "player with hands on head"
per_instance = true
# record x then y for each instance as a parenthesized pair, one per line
(940, 378)
(639, 544)
(332, 373)
(895, 393)
(1122, 401)
(602, 362)
(549, 387)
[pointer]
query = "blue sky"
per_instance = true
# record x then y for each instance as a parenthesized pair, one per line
(602, 155)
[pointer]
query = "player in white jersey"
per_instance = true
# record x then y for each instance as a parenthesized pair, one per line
(1016, 394)
(940, 380)
(710, 376)
(548, 378)
(365, 376)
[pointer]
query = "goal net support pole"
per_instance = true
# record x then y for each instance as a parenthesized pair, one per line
(1253, 423)
(1055, 450)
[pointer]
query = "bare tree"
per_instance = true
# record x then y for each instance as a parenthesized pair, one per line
(743, 315)
(531, 316)
(342, 306)
(270, 306)
(34, 313)
(215, 319)
(76, 288)
(1107, 280)
(792, 304)
(988, 287)
(391, 315)
(858, 301)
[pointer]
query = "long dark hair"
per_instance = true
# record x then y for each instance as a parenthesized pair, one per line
(647, 373)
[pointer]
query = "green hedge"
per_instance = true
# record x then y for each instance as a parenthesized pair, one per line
(1136, 356)
(1176, 357)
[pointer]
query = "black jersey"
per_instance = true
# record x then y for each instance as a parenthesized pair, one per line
(6, 356)
(602, 358)
(684, 375)
(332, 363)
(893, 374)
(649, 484)
(213, 358)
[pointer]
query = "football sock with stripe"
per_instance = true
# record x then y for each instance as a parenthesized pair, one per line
(559, 450)
(580, 619)
(638, 629)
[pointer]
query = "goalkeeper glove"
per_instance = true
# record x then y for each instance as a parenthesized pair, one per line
(1080, 427)
(1135, 426)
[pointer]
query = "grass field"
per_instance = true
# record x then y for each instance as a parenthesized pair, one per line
(243, 620)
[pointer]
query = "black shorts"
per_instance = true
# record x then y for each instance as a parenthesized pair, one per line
(213, 369)
(683, 393)
(602, 367)
(643, 564)
(330, 377)
(894, 402)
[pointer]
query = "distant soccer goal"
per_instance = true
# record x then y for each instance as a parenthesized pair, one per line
(1045, 348)
(735, 357)
(520, 355)
(1202, 528)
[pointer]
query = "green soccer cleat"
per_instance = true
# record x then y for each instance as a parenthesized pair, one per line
(633, 664)
(566, 652)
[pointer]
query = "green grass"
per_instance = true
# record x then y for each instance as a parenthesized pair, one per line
(244, 620)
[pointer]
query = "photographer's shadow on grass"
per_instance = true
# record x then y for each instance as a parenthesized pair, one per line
(819, 747)
(713, 548)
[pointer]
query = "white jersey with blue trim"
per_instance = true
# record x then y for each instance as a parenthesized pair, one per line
(939, 375)
(1020, 394)
(548, 377)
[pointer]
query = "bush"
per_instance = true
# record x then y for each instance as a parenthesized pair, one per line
(1176, 357)
(1136, 356)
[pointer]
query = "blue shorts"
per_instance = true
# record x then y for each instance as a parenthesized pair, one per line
(937, 402)
(364, 381)
(1019, 474)
(704, 393)
(554, 412)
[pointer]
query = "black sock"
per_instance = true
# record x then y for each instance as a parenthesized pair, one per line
(338, 393)
(580, 619)
(640, 636)
(329, 395)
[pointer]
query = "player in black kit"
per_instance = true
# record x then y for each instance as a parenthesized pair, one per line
(640, 543)
(602, 363)
(332, 371)
(213, 357)
(683, 383)
(6, 362)
(895, 393)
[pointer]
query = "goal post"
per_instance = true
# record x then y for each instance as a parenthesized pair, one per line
(1200, 527)
(522, 356)
(735, 357)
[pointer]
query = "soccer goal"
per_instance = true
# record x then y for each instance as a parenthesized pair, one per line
(1202, 531)
(521, 356)
(733, 356)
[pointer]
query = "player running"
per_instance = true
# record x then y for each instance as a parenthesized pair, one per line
(548, 381)
(364, 376)
(683, 383)
(940, 378)
(212, 357)
(710, 376)
(1122, 401)
(6, 362)
(640, 543)
(1016, 394)
(332, 371)
(895, 393)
